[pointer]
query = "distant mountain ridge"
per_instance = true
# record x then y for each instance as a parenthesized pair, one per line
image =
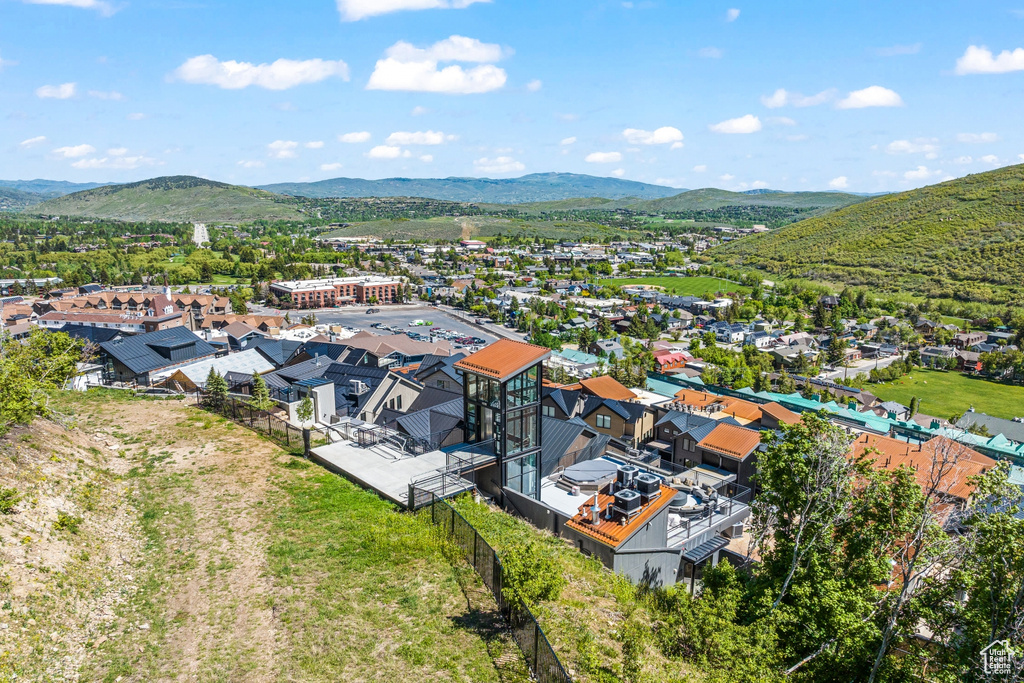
(173, 198)
(536, 187)
(50, 188)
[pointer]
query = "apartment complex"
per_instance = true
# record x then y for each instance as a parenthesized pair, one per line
(334, 291)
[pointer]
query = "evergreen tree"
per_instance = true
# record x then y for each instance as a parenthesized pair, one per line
(260, 394)
(216, 387)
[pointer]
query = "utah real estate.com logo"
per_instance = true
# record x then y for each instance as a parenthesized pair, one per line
(998, 658)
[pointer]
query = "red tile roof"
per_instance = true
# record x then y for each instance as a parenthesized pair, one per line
(503, 359)
(612, 532)
(606, 386)
(732, 441)
(889, 454)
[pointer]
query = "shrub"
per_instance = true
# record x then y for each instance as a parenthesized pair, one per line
(8, 499)
(530, 575)
(66, 522)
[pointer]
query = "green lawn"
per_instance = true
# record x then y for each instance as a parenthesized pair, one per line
(944, 394)
(695, 286)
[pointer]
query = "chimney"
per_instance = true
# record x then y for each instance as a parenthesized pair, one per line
(595, 511)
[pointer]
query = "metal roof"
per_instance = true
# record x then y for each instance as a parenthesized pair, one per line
(148, 352)
(705, 549)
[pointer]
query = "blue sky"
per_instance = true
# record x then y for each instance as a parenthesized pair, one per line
(799, 95)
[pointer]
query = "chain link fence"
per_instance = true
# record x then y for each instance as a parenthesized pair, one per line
(529, 636)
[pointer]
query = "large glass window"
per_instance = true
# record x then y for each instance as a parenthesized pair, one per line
(524, 388)
(521, 474)
(521, 430)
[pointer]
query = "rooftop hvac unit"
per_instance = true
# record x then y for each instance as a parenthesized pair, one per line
(627, 501)
(648, 484)
(736, 530)
(627, 474)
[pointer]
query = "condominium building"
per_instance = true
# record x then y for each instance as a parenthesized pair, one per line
(334, 291)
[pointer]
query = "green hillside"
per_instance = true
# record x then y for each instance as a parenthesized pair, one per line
(176, 198)
(961, 240)
(711, 198)
(536, 187)
(16, 200)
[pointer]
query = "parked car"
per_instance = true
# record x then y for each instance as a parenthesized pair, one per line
(372, 310)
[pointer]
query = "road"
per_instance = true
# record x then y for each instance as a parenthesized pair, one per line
(395, 316)
(200, 234)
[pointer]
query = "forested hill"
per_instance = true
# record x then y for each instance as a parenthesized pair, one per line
(537, 187)
(962, 239)
(175, 198)
(711, 198)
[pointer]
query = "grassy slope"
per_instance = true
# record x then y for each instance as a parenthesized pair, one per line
(208, 553)
(454, 229)
(178, 198)
(962, 239)
(711, 198)
(683, 286)
(16, 200)
(944, 394)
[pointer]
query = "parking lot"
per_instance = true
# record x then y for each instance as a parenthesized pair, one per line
(395, 317)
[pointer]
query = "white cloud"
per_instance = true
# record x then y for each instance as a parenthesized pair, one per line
(759, 185)
(980, 60)
(781, 121)
(1021, 157)
(355, 138)
(314, 144)
(897, 50)
(117, 151)
(604, 158)
(419, 111)
(742, 125)
(666, 135)
(990, 159)
(535, 85)
(103, 95)
(384, 152)
(429, 137)
(726, 177)
(700, 168)
(354, 10)
(568, 141)
(331, 167)
(406, 67)
(977, 138)
(427, 158)
(921, 173)
(104, 8)
(840, 183)
(119, 161)
(251, 164)
(32, 142)
(498, 165)
(619, 172)
(75, 151)
(926, 146)
(279, 75)
(872, 96)
(710, 53)
(783, 97)
(57, 92)
(283, 149)
(135, 116)
(732, 15)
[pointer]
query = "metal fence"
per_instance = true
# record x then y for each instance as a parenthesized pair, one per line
(260, 421)
(529, 636)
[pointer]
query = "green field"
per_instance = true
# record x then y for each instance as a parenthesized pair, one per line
(944, 394)
(693, 286)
